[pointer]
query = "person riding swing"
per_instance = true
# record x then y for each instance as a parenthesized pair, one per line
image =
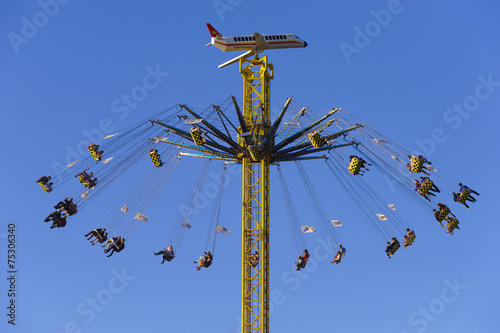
(392, 247)
(168, 254)
(301, 263)
(204, 261)
(339, 255)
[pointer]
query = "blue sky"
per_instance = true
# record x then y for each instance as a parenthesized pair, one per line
(407, 74)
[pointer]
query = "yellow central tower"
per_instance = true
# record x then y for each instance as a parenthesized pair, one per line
(257, 74)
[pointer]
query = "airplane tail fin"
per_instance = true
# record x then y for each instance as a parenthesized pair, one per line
(213, 31)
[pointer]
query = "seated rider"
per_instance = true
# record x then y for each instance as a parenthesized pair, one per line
(443, 207)
(97, 235)
(208, 260)
(392, 247)
(110, 242)
(305, 255)
(419, 189)
(417, 164)
(442, 213)
(101, 236)
(433, 187)
(301, 263)
(168, 254)
(409, 238)
(361, 164)
(204, 261)
(451, 225)
(361, 161)
(84, 176)
(68, 206)
(464, 195)
(92, 182)
(115, 245)
(54, 216)
(44, 182)
(316, 140)
(420, 158)
(254, 261)
(72, 210)
(155, 157)
(93, 148)
(339, 255)
(456, 198)
(65, 204)
(60, 222)
(197, 136)
(437, 216)
(462, 189)
(388, 249)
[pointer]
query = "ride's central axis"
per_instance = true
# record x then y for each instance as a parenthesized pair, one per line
(256, 74)
(255, 282)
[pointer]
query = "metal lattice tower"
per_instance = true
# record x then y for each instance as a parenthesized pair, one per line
(257, 75)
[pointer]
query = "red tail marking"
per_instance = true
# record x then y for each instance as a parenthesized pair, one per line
(213, 31)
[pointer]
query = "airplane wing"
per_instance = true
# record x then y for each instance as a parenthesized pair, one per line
(260, 43)
(232, 61)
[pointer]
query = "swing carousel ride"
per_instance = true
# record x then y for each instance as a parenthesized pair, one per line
(243, 133)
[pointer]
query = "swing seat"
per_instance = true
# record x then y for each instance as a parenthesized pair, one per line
(46, 187)
(254, 262)
(464, 195)
(93, 151)
(443, 213)
(302, 262)
(425, 187)
(338, 257)
(155, 157)
(71, 210)
(416, 165)
(354, 166)
(120, 247)
(316, 139)
(196, 136)
(61, 223)
(452, 224)
(394, 247)
(411, 239)
(84, 181)
(102, 239)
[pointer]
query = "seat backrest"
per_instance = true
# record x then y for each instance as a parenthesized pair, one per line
(354, 166)
(464, 195)
(416, 165)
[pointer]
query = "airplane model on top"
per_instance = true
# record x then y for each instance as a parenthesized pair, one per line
(255, 43)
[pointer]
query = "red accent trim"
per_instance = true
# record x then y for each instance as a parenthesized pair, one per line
(213, 31)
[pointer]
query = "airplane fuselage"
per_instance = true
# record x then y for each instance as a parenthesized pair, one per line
(241, 43)
(252, 44)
